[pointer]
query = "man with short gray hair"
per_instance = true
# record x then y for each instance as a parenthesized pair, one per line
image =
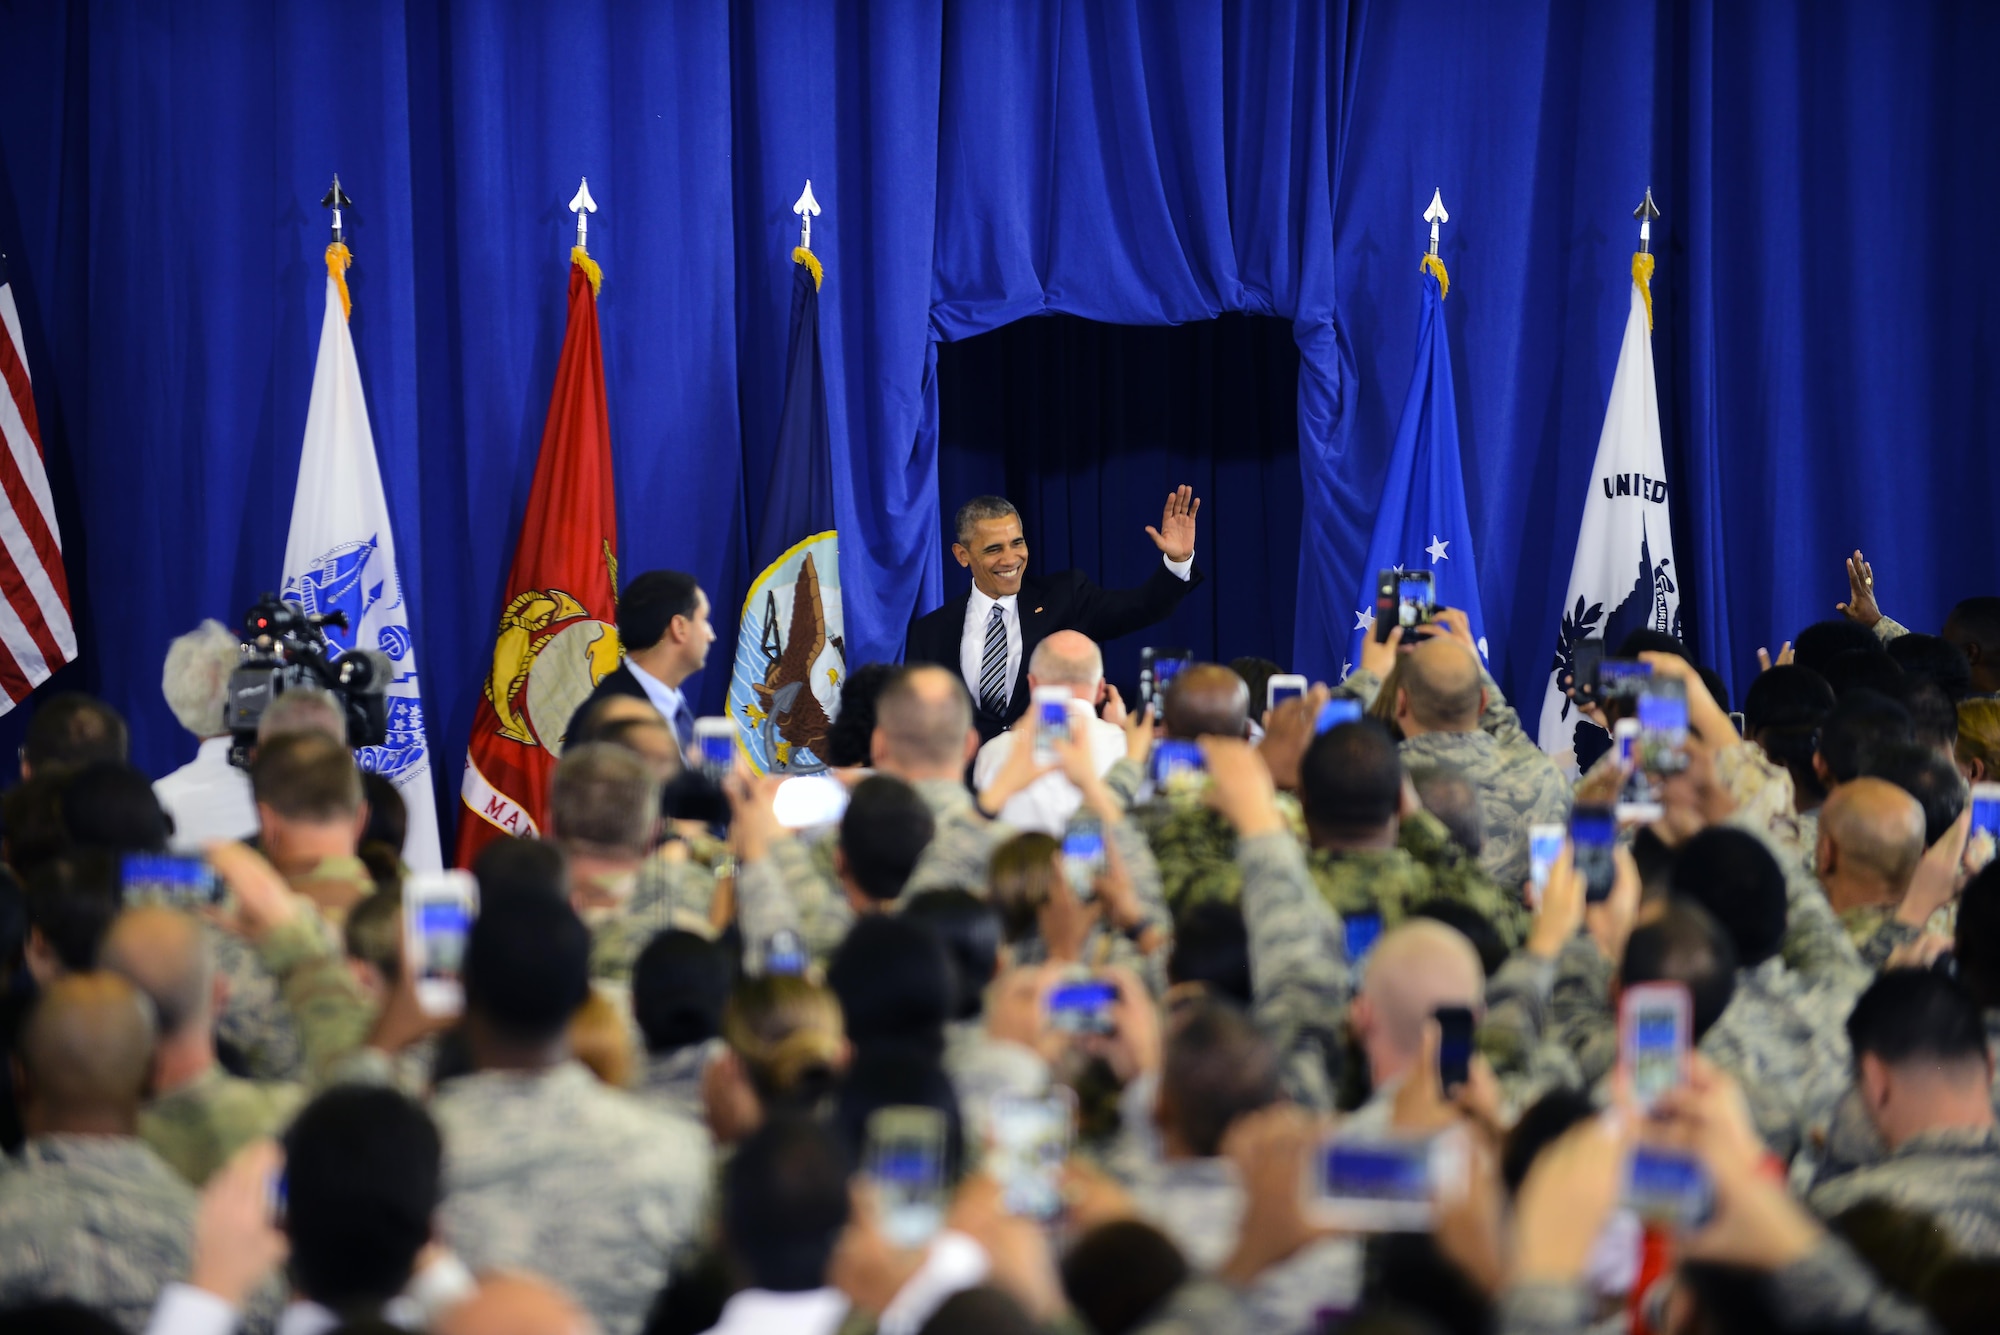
(987, 635)
(303, 709)
(208, 798)
(604, 809)
(1071, 660)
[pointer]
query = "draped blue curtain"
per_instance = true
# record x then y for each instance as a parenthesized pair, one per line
(1824, 309)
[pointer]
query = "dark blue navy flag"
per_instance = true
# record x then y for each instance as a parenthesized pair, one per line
(790, 651)
(1420, 524)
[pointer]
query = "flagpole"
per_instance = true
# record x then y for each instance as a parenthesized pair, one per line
(1645, 213)
(1434, 215)
(582, 205)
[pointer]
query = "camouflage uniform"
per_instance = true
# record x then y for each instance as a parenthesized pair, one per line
(1198, 1204)
(332, 1014)
(554, 1173)
(197, 1127)
(1298, 966)
(1195, 847)
(1951, 1175)
(1815, 945)
(1425, 864)
(1198, 1307)
(672, 892)
(1514, 1031)
(1784, 1040)
(983, 1069)
(97, 1219)
(1786, 1043)
(672, 1080)
(1518, 786)
(795, 887)
(1853, 1142)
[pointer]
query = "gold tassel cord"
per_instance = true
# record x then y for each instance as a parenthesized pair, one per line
(800, 255)
(337, 259)
(1642, 274)
(581, 259)
(1436, 266)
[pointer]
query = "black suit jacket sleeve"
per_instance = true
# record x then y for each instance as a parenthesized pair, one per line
(1106, 614)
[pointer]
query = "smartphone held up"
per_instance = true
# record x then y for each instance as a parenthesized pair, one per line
(438, 910)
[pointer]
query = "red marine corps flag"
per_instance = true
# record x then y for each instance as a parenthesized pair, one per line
(558, 633)
(36, 636)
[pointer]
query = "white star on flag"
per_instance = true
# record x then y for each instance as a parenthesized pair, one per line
(1436, 549)
(1364, 621)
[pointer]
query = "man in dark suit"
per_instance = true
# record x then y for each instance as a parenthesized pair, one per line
(988, 633)
(663, 627)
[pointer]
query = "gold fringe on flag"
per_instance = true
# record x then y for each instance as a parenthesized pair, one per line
(337, 260)
(581, 259)
(1642, 274)
(800, 255)
(1436, 266)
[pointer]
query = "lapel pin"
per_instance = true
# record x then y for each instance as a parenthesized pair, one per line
(1038, 611)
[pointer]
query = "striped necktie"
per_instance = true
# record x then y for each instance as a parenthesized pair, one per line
(993, 684)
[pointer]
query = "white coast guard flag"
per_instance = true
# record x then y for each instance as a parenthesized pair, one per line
(342, 556)
(1624, 576)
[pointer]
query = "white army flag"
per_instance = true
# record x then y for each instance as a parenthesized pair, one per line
(341, 556)
(1624, 576)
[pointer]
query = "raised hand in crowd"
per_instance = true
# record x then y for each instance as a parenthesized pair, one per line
(1860, 607)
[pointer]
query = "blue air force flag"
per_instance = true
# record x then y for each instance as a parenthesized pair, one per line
(1624, 577)
(341, 556)
(1420, 523)
(791, 655)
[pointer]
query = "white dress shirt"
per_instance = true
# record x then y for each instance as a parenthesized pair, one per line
(972, 640)
(972, 643)
(667, 699)
(209, 799)
(764, 1312)
(1048, 803)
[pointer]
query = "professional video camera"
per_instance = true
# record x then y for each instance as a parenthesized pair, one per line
(285, 649)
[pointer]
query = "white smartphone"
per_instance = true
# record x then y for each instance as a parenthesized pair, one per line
(1051, 704)
(1028, 1140)
(1384, 1184)
(905, 1163)
(1545, 847)
(714, 746)
(1655, 1033)
(1283, 686)
(1638, 803)
(438, 909)
(1083, 856)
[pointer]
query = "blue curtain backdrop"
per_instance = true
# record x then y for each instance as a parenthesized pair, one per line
(1084, 426)
(1825, 326)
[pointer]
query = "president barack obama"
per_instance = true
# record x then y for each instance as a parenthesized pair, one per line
(988, 633)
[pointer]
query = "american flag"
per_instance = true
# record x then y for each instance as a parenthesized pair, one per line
(36, 636)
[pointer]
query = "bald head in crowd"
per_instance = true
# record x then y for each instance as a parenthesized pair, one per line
(1440, 690)
(511, 1304)
(1068, 658)
(84, 1056)
(1414, 969)
(1206, 700)
(162, 952)
(1871, 837)
(923, 726)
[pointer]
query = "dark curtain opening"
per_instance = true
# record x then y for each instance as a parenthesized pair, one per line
(1086, 427)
